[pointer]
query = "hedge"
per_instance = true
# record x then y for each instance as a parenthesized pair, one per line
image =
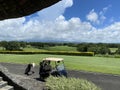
(62, 83)
(50, 52)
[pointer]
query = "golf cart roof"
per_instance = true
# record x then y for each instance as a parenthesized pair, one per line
(53, 59)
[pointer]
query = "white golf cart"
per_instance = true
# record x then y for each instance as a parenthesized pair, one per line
(56, 67)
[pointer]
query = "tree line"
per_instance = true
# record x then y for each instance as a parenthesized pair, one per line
(97, 48)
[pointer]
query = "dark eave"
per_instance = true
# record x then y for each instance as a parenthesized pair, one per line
(18, 8)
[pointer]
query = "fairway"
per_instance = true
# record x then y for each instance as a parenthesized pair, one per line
(62, 48)
(92, 64)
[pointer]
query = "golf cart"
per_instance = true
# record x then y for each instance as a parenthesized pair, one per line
(52, 66)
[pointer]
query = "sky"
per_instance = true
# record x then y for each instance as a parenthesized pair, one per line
(90, 21)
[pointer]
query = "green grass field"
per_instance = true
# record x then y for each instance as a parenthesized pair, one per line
(113, 50)
(93, 64)
(55, 48)
(62, 48)
(33, 49)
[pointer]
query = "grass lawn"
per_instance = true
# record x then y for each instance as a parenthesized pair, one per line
(94, 64)
(113, 50)
(33, 49)
(62, 48)
(54, 48)
(1, 48)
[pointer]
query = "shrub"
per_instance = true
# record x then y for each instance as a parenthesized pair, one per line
(50, 52)
(62, 83)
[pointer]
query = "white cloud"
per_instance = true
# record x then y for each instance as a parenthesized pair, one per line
(102, 13)
(92, 16)
(54, 11)
(59, 29)
(106, 8)
(108, 34)
(97, 18)
(112, 20)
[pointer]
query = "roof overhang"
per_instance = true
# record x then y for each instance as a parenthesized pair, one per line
(19, 8)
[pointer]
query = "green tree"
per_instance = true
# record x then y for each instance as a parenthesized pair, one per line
(3, 44)
(12, 45)
(82, 48)
(22, 44)
(93, 49)
(99, 49)
(118, 51)
(103, 50)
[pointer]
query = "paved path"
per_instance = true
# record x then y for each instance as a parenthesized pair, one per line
(106, 82)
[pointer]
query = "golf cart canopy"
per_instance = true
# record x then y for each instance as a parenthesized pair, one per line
(53, 59)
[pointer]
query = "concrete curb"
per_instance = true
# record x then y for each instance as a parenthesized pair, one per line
(20, 82)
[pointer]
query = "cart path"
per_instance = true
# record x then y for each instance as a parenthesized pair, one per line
(105, 81)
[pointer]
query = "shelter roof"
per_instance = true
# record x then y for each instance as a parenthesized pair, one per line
(19, 8)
